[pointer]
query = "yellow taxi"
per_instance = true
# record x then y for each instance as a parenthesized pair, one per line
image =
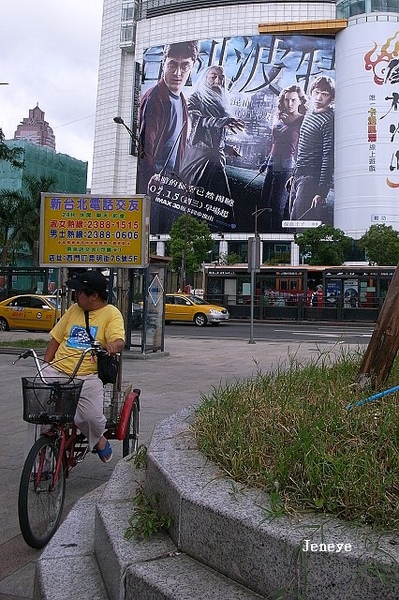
(29, 311)
(186, 307)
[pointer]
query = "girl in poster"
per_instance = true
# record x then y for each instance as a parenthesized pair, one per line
(291, 108)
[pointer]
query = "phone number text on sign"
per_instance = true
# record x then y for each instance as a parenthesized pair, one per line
(92, 230)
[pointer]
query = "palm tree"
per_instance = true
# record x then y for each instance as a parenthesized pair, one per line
(11, 155)
(8, 210)
(20, 216)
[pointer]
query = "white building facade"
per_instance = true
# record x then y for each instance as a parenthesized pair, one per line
(129, 28)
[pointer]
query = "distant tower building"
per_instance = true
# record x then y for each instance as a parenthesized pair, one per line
(36, 130)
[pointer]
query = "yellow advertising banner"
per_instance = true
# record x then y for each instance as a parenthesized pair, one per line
(94, 231)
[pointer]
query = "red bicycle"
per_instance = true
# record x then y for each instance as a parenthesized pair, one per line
(62, 446)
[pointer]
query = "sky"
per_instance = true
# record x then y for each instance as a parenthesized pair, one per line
(49, 53)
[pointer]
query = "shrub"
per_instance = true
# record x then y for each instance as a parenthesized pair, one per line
(289, 431)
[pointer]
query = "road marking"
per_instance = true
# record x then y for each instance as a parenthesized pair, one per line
(324, 334)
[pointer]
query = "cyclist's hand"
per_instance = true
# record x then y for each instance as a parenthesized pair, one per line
(114, 346)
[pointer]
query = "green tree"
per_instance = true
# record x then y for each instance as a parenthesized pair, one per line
(8, 211)
(20, 216)
(324, 245)
(381, 244)
(11, 155)
(191, 238)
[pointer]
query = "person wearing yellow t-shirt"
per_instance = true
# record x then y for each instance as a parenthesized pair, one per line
(69, 337)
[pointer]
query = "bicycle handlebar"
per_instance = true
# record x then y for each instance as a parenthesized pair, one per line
(95, 348)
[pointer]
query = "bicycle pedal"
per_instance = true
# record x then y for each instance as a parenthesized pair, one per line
(81, 454)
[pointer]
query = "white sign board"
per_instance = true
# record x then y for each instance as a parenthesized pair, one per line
(367, 131)
(300, 224)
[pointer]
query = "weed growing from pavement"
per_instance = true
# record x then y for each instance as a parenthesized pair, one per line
(288, 432)
(146, 519)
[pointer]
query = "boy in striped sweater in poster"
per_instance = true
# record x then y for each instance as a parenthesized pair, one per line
(313, 175)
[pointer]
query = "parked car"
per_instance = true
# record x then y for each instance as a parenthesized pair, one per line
(29, 311)
(186, 307)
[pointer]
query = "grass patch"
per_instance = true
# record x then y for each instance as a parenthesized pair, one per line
(28, 343)
(288, 433)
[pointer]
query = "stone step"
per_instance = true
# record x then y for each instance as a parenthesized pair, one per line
(225, 541)
(89, 558)
(67, 568)
(151, 569)
(181, 578)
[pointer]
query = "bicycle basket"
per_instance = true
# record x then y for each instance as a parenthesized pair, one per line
(54, 402)
(113, 404)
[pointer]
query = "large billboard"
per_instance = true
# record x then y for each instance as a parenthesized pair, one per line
(93, 231)
(231, 126)
(367, 133)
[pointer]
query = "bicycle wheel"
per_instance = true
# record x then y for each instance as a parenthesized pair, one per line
(131, 439)
(40, 503)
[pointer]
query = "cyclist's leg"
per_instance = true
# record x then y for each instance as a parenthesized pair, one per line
(89, 417)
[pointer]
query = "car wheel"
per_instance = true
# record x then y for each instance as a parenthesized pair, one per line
(200, 320)
(4, 325)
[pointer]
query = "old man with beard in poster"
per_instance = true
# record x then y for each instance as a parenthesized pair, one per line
(204, 163)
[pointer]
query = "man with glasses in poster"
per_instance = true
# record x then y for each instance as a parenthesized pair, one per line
(163, 126)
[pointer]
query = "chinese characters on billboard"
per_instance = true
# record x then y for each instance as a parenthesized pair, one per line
(93, 231)
(383, 62)
(366, 178)
(233, 125)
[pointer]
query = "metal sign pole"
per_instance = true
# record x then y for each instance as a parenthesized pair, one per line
(251, 330)
(253, 267)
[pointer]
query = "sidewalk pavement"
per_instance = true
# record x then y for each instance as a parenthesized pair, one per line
(169, 382)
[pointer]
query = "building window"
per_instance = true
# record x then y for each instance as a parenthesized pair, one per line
(127, 11)
(127, 34)
(351, 8)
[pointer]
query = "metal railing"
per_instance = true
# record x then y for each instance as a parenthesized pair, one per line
(297, 307)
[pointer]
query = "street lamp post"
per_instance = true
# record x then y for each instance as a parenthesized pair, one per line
(185, 242)
(135, 141)
(124, 298)
(254, 265)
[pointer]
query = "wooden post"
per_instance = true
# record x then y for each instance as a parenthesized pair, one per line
(384, 344)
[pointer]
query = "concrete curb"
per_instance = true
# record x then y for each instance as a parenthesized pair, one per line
(232, 529)
(224, 542)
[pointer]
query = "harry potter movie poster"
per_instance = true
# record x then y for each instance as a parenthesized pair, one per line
(231, 126)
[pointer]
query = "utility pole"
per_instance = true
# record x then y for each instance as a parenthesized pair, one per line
(184, 255)
(254, 265)
(185, 242)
